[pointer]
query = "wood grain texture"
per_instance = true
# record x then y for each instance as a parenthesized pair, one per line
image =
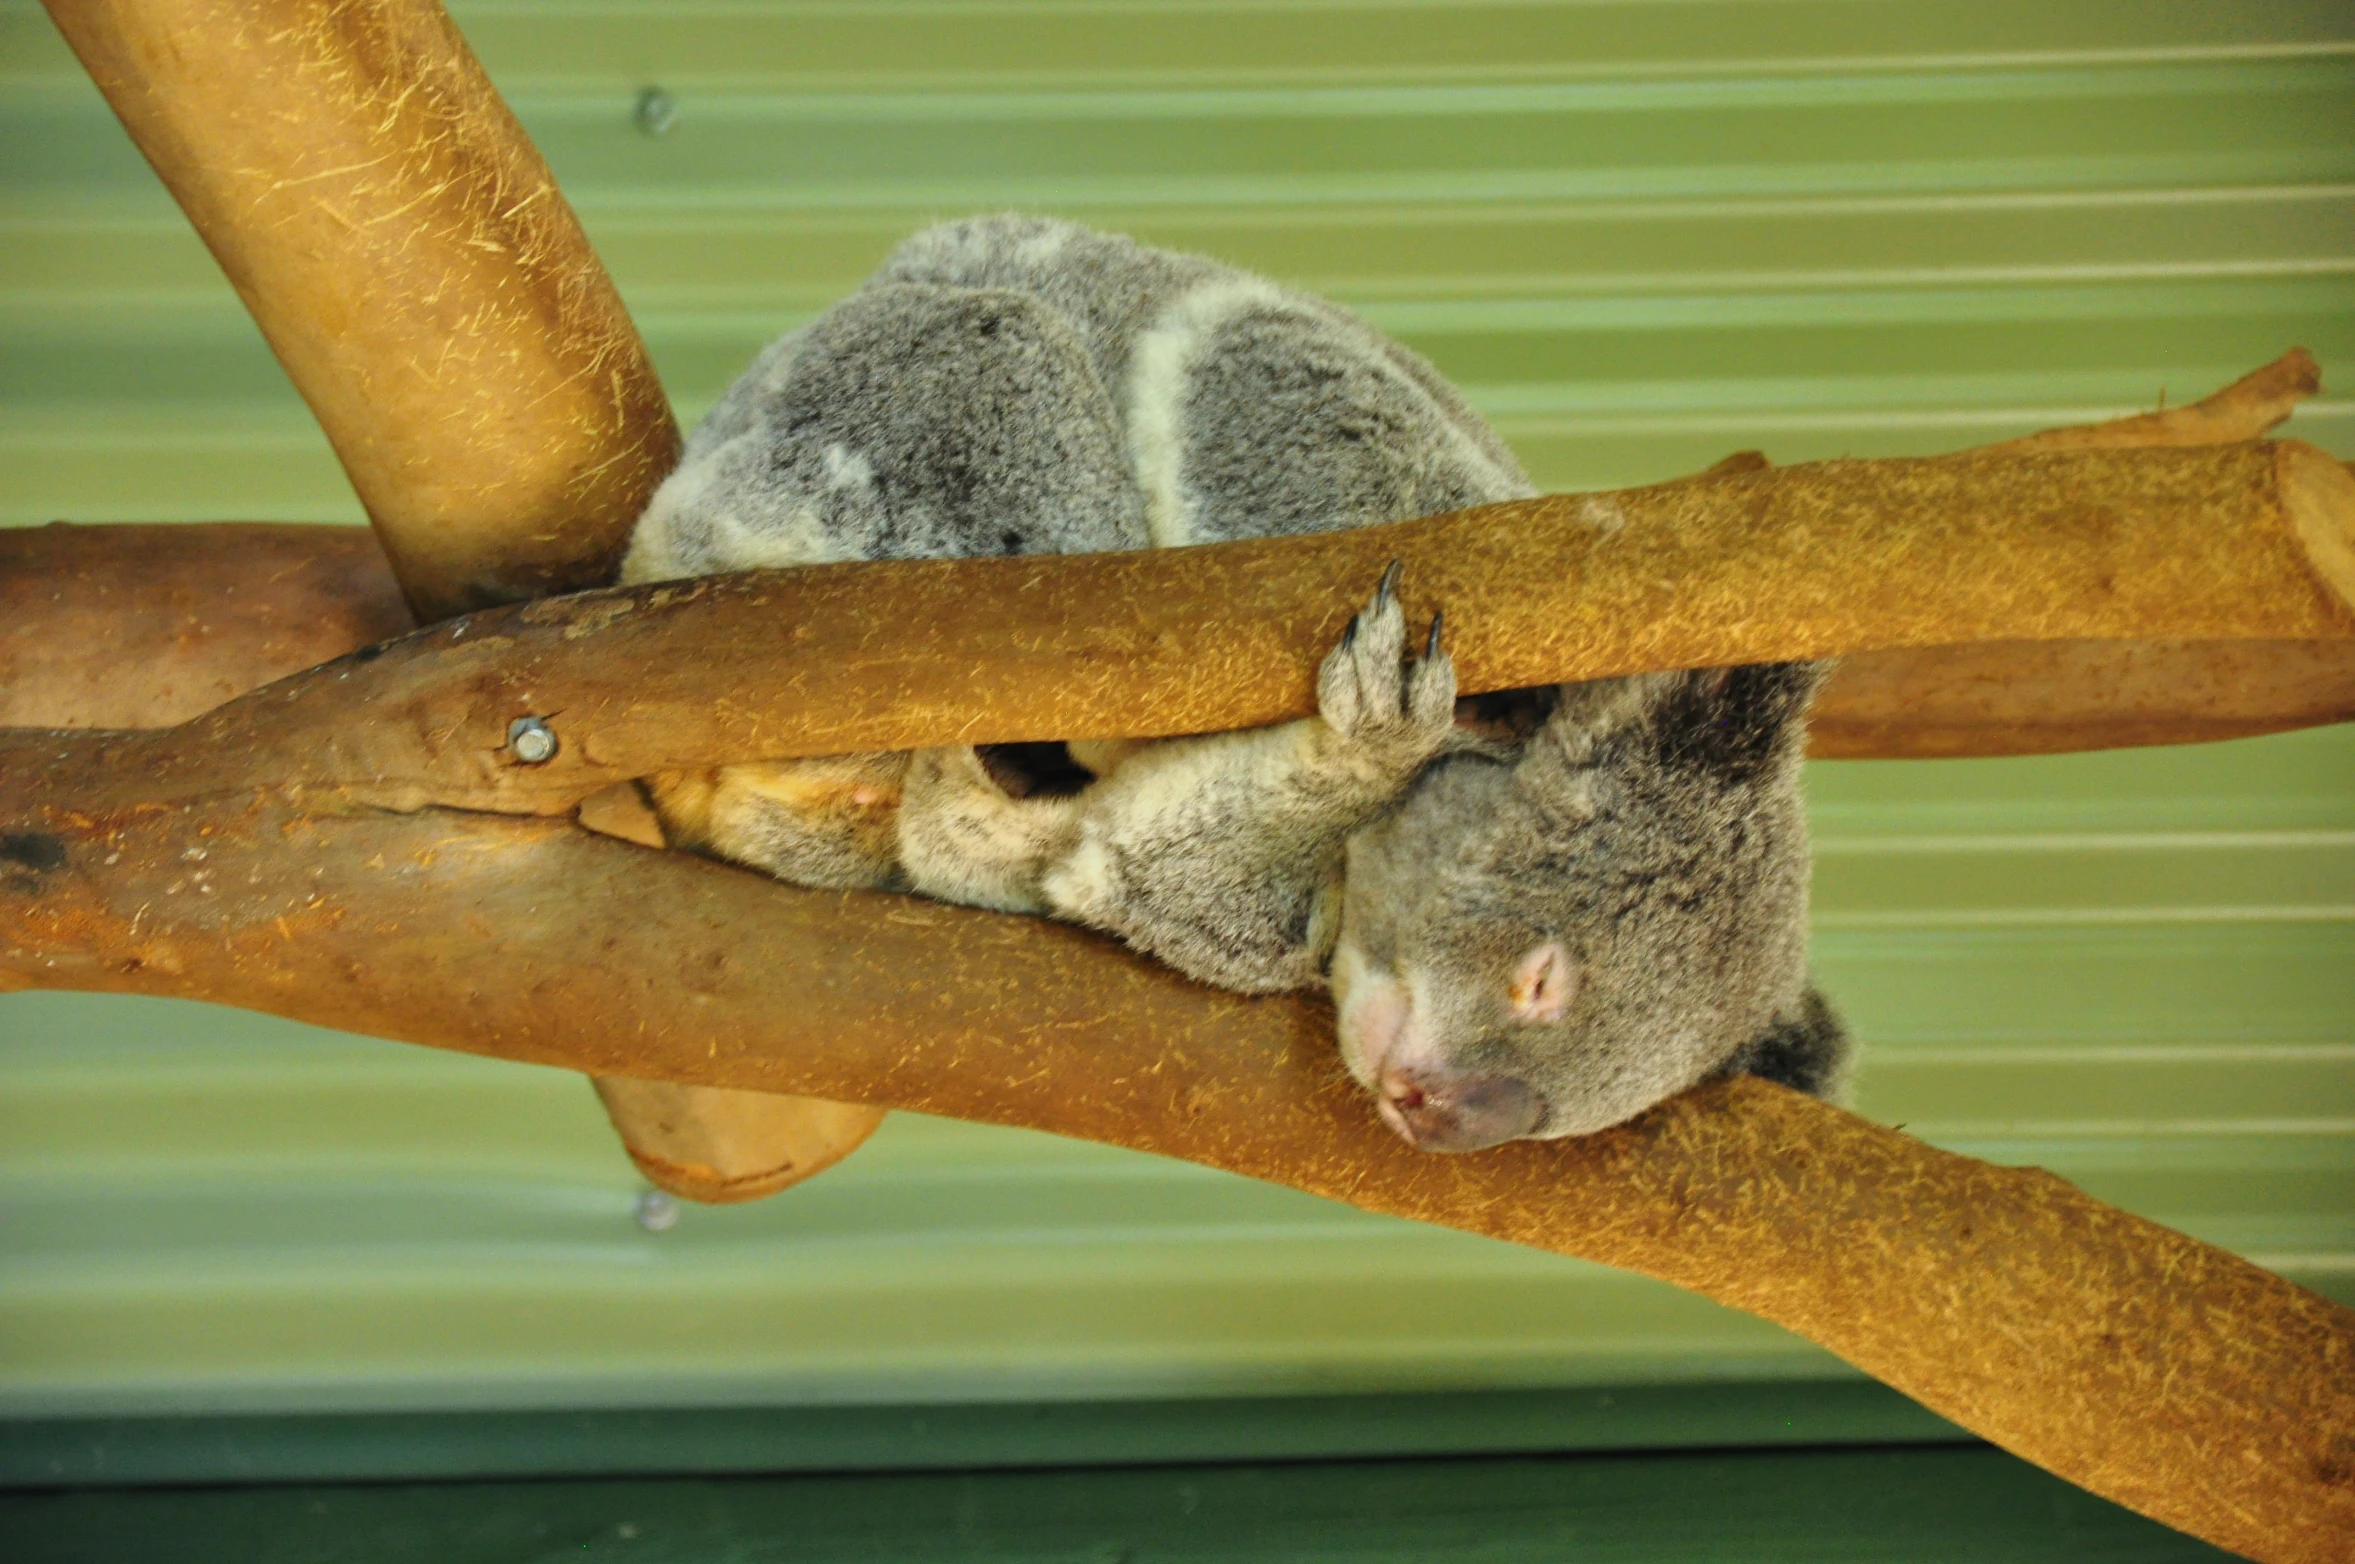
(2056, 697)
(415, 269)
(2139, 1363)
(721, 1146)
(2200, 544)
(147, 626)
(2258, 402)
(416, 272)
(248, 857)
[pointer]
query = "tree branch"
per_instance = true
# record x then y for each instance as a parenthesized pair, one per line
(2132, 1360)
(248, 857)
(2251, 406)
(135, 626)
(2212, 543)
(405, 250)
(338, 157)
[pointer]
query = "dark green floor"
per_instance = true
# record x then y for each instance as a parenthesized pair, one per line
(1937, 1503)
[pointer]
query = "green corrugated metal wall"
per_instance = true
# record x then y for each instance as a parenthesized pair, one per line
(1640, 235)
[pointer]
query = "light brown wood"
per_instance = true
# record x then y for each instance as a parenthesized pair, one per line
(332, 889)
(147, 626)
(714, 1144)
(416, 271)
(2251, 406)
(624, 811)
(722, 1146)
(2135, 1361)
(2319, 496)
(2055, 697)
(288, 131)
(2153, 545)
(150, 625)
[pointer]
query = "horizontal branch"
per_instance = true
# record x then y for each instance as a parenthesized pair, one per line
(2057, 697)
(2248, 542)
(2256, 403)
(147, 625)
(2133, 1360)
(338, 157)
(142, 626)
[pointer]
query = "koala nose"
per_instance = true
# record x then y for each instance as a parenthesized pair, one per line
(1435, 1111)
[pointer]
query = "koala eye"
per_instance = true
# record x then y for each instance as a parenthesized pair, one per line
(1543, 981)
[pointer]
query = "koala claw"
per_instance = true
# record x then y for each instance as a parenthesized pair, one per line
(1388, 710)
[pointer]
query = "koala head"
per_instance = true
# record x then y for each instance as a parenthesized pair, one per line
(1546, 937)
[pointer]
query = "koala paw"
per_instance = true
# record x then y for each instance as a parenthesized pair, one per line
(1385, 709)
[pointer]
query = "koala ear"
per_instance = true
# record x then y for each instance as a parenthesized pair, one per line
(1808, 1051)
(1543, 983)
(1737, 723)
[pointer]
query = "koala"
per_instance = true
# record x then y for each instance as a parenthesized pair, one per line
(1537, 913)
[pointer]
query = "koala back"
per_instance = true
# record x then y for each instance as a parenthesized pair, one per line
(1015, 385)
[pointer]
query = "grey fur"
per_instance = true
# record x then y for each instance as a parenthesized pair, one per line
(1654, 829)
(1018, 385)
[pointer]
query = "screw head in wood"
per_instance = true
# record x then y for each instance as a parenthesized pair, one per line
(531, 741)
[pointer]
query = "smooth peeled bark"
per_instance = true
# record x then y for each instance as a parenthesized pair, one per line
(416, 271)
(297, 851)
(2132, 1360)
(2225, 543)
(137, 626)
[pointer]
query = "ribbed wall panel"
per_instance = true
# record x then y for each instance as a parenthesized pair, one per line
(1640, 235)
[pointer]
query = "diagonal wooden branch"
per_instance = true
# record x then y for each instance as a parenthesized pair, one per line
(405, 250)
(148, 626)
(2135, 1361)
(425, 285)
(2251, 406)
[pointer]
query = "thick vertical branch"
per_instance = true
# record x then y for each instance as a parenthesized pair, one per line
(414, 267)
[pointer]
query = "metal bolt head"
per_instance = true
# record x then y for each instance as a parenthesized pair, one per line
(655, 1211)
(657, 112)
(531, 741)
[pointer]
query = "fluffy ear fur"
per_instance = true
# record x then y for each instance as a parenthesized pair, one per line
(1738, 723)
(1724, 728)
(1808, 1052)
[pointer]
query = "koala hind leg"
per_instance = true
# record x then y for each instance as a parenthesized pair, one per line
(826, 821)
(964, 839)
